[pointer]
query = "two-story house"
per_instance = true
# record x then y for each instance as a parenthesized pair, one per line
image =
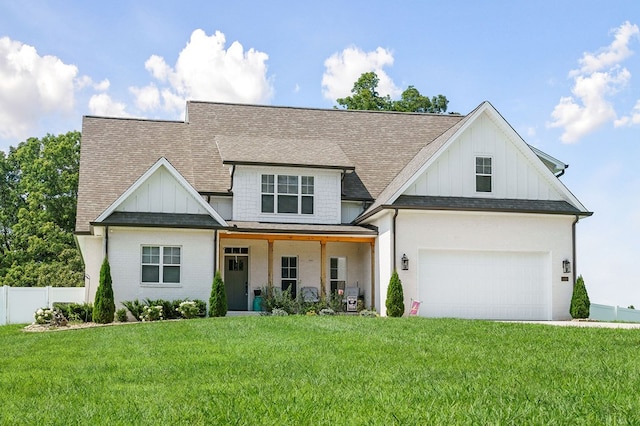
(475, 221)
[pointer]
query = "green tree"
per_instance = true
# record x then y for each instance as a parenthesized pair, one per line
(395, 296)
(38, 194)
(218, 299)
(104, 306)
(365, 97)
(580, 303)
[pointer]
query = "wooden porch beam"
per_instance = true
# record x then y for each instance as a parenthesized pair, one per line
(270, 264)
(323, 269)
(285, 237)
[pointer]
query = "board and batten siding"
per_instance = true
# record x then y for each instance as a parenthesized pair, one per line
(247, 195)
(161, 193)
(514, 175)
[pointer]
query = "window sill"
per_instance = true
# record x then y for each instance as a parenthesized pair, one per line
(160, 285)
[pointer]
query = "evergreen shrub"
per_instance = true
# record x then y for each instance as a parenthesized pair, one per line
(218, 299)
(395, 297)
(104, 306)
(580, 303)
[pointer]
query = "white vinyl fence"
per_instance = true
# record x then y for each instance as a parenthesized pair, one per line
(613, 313)
(17, 304)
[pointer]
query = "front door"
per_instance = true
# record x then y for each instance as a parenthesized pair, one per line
(236, 282)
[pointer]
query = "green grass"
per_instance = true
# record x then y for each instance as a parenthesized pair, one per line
(321, 370)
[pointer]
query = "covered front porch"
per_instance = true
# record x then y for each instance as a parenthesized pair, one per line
(323, 258)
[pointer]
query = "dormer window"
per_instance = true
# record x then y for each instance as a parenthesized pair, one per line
(287, 194)
(483, 174)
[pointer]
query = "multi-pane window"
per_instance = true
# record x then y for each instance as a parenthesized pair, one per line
(289, 274)
(287, 194)
(483, 174)
(160, 265)
(337, 273)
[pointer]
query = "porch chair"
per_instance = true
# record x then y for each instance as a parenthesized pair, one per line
(310, 294)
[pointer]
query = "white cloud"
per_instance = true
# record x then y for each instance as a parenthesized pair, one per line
(31, 86)
(206, 71)
(146, 98)
(103, 105)
(344, 68)
(630, 120)
(599, 78)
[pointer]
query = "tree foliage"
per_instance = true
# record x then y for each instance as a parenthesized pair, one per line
(218, 299)
(104, 306)
(395, 296)
(580, 303)
(365, 96)
(38, 193)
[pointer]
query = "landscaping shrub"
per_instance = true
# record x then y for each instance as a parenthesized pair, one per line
(277, 312)
(135, 307)
(201, 306)
(121, 315)
(75, 311)
(188, 309)
(49, 316)
(327, 311)
(276, 299)
(104, 306)
(152, 313)
(168, 309)
(368, 313)
(395, 296)
(218, 299)
(580, 303)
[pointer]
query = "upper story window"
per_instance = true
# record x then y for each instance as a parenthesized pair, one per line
(483, 174)
(287, 194)
(160, 265)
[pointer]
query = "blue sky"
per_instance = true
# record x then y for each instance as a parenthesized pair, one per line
(565, 74)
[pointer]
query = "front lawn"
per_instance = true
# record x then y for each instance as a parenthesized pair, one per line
(320, 370)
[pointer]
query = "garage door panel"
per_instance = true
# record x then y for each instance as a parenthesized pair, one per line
(484, 284)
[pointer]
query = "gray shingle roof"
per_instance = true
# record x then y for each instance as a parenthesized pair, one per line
(115, 152)
(165, 220)
(487, 204)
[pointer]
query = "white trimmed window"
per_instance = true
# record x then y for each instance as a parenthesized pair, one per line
(337, 273)
(483, 174)
(160, 265)
(287, 194)
(289, 274)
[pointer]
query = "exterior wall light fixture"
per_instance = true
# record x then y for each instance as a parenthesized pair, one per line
(566, 266)
(404, 262)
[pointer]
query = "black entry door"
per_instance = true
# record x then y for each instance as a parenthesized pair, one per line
(236, 282)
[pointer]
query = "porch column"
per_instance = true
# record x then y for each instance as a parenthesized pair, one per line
(270, 263)
(373, 274)
(323, 269)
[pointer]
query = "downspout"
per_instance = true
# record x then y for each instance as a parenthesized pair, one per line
(573, 242)
(106, 242)
(215, 251)
(233, 171)
(393, 229)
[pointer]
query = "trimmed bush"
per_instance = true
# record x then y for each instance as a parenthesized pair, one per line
(580, 303)
(395, 296)
(75, 311)
(135, 307)
(104, 307)
(218, 299)
(121, 315)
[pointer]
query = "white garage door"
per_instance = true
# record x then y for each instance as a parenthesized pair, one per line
(484, 284)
